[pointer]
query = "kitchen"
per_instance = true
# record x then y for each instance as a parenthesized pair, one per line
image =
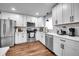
(55, 26)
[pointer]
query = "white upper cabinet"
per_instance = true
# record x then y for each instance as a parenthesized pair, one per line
(20, 19)
(40, 22)
(59, 13)
(75, 12)
(70, 12)
(67, 12)
(54, 15)
(32, 19)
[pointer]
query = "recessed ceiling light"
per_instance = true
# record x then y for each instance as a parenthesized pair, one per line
(13, 9)
(37, 13)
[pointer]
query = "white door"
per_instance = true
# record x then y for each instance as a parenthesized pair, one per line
(76, 12)
(57, 46)
(66, 12)
(59, 13)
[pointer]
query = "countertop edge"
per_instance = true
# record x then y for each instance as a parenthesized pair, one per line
(65, 36)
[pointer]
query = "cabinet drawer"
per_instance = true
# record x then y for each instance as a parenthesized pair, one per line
(72, 43)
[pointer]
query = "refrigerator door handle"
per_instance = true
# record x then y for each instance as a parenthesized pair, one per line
(4, 28)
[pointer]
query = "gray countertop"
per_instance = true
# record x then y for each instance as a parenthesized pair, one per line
(75, 38)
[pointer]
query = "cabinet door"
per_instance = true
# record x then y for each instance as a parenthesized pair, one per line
(40, 22)
(42, 37)
(28, 19)
(54, 16)
(76, 12)
(71, 48)
(59, 13)
(57, 46)
(67, 12)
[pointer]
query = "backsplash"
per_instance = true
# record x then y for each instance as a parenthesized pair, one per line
(50, 30)
(76, 26)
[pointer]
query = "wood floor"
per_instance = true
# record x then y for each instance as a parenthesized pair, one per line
(29, 49)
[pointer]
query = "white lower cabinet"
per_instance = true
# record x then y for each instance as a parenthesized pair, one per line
(20, 38)
(71, 48)
(56, 46)
(40, 36)
(65, 47)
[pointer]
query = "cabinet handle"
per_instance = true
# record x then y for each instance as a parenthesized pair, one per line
(71, 18)
(4, 28)
(62, 40)
(62, 46)
(56, 22)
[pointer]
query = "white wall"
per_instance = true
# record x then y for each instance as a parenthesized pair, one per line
(48, 23)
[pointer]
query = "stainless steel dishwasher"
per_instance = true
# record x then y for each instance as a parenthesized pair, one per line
(49, 41)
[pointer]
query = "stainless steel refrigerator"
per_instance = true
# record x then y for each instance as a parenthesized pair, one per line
(7, 32)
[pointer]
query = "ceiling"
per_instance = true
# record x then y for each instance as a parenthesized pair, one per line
(27, 8)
